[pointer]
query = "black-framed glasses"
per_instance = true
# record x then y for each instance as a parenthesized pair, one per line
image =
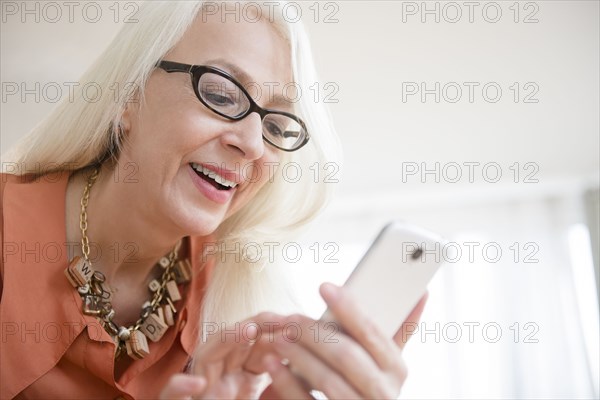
(224, 95)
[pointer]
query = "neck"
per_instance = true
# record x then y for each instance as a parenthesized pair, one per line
(126, 241)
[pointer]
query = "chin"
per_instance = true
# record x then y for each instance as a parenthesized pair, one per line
(194, 221)
(201, 226)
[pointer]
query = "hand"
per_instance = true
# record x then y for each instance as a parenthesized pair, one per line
(361, 362)
(183, 387)
(219, 364)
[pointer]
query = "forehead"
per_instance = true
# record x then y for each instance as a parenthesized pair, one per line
(250, 51)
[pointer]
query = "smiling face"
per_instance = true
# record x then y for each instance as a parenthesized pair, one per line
(171, 135)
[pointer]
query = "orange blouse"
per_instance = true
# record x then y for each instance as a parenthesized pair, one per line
(49, 348)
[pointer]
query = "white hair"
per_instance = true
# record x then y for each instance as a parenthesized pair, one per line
(79, 133)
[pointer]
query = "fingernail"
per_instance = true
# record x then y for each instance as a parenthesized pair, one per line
(330, 292)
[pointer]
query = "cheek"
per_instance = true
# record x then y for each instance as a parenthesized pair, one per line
(168, 124)
(261, 175)
(160, 138)
(268, 166)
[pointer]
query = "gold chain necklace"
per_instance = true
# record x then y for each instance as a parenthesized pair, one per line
(157, 314)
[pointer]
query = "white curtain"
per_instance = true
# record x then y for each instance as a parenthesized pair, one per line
(495, 326)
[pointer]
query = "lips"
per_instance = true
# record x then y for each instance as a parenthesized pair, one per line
(213, 177)
(209, 189)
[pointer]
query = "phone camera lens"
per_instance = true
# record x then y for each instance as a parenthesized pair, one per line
(417, 254)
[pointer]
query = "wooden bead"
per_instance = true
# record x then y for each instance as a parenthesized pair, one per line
(154, 328)
(137, 345)
(168, 314)
(70, 278)
(164, 262)
(160, 314)
(81, 271)
(173, 291)
(154, 285)
(182, 271)
(91, 306)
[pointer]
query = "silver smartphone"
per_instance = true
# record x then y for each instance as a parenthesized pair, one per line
(393, 275)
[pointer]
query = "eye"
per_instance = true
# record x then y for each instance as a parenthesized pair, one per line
(273, 128)
(217, 99)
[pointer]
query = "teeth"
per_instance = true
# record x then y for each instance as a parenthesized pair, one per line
(213, 175)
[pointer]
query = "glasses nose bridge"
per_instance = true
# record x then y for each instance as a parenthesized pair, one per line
(254, 107)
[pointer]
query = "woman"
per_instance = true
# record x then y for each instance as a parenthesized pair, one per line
(157, 192)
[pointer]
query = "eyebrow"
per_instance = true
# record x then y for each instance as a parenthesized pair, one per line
(241, 75)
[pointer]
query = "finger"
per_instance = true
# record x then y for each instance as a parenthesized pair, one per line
(211, 356)
(357, 324)
(183, 386)
(316, 372)
(260, 334)
(263, 345)
(345, 356)
(220, 343)
(228, 349)
(284, 382)
(410, 325)
(237, 357)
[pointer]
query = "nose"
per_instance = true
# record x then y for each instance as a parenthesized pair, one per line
(244, 137)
